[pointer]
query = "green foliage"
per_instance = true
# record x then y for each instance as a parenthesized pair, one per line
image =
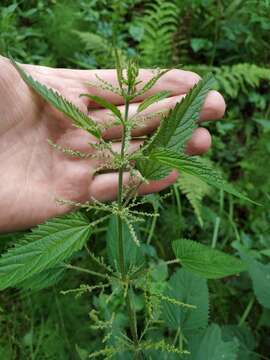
(236, 79)
(206, 262)
(260, 276)
(45, 247)
(43, 279)
(189, 288)
(209, 345)
(159, 25)
(195, 190)
(70, 110)
(195, 166)
(176, 128)
(133, 254)
(246, 341)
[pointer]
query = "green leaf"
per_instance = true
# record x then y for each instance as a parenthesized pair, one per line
(44, 279)
(260, 276)
(197, 167)
(104, 103)
(188, 288)
(205, 261)
(153, 99)
(176, 128)
(133, 253)
(209, 345)
(78, 118)
(48, 245)
(245, 338)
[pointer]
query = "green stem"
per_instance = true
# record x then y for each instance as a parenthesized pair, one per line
(121, 250)
(247, 311)
(91, 272)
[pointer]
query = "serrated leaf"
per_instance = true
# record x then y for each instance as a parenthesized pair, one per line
(197, 167)
(260, 276)
(46, 246)
(133, 253)
(188, 288)
(209, 345)
(205, 261)
(153, 99)
(104, 103)
(78, 118)
(176, 128)
(44, 279)
(246, 341)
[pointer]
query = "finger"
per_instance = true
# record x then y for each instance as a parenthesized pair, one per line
(199, 143)
(104, 187)
(213, 109)
(74, 82)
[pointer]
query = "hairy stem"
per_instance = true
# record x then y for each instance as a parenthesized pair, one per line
(121, 251)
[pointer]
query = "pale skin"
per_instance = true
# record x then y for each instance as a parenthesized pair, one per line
(34, 175)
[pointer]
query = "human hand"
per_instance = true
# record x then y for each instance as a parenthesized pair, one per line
(34, 175)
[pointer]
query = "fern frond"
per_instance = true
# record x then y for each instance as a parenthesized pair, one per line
(160, 24)
(194, 189)
(236, 78)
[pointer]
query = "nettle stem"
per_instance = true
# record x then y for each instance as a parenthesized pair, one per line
(121, 250)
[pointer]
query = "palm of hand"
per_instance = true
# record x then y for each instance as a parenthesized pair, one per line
(34, 175)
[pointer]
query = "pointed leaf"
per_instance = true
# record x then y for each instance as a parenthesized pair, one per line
(209, 345)
(153, 99)
(205, 261)
(104, 103)
(176, 128)
(188, 288)
(60, 103)
(48, 245)
(197, 167)
(44, 279)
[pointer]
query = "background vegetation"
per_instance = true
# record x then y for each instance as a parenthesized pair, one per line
(230, 38)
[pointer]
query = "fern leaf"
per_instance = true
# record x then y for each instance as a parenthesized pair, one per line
(78, 118)
(194, 189)
(159, 24)
(206, 262)
(48, 245)
(235, 79)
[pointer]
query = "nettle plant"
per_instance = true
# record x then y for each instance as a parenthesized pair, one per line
(141, 313)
